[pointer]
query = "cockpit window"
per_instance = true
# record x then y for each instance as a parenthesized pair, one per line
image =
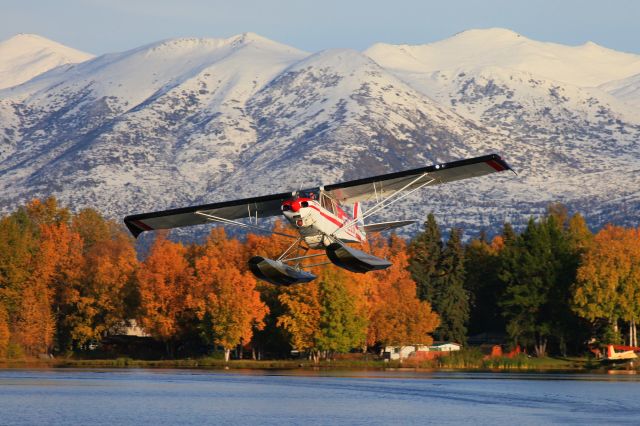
(327, 203)
(309, 193)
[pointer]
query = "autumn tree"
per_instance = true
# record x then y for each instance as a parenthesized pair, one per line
(228, 301)
(62, 250)
(35, 322)
(301, 316)
(165, 280)
(608, 280)
(272, 337)
(19, 244)
(5, 334)
(54, 265)
(397, 316)
(100, 300)
(35, 243)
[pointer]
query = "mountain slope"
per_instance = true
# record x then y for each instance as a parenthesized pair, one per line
(586, 65)
(25, 56)
(132, 123)
(570, 143)
(626, 90)
(186, 121)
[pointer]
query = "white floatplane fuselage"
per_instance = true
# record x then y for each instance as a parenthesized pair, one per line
(317, 218)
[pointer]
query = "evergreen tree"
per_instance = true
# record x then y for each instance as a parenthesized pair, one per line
(425, 258)
(439, 276)
(537, 270)
(509, 236)
(484, 287)
(527, 274)
(452, 300)
(567, 331)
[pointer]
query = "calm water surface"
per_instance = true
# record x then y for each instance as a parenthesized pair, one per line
(135, 397)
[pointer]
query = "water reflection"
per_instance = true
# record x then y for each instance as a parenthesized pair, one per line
(318, 397)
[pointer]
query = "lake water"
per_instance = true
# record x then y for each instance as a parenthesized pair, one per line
(135, 397)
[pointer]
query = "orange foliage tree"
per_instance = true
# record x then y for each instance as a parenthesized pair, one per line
(55, 266)
(397, 316)
(99, 301)
(227, 300)
(272, 336)
(165, 280)
(5, 333)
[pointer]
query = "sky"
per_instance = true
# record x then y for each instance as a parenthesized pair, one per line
(102, 26)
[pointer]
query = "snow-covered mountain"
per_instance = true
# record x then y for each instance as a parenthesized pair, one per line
(626, 90)
(587, 65)
(24, 56)
(199, 120)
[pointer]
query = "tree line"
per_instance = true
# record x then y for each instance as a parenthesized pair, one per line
(69, 279)
(554, 287)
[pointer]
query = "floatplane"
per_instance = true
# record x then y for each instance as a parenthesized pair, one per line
(319, 215)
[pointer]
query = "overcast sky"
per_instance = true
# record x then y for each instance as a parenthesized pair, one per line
(100, 26)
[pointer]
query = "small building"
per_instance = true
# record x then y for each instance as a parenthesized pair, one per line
(403, 352)
(129, 327)
(445, 347)
(419, 351)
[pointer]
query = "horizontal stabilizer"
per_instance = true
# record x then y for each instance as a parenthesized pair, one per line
(278, 273)
(383, 226)
(355, 260)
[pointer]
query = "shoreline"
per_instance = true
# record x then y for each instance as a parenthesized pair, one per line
(547, 365)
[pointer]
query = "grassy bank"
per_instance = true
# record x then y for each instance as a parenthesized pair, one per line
(464, 360)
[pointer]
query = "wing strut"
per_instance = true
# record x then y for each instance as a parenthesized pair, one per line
(242, 225)
(386, 202)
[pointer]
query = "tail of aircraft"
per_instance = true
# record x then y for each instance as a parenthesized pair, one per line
(357, 215)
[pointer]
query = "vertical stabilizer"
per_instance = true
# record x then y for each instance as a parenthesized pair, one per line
(357, 215)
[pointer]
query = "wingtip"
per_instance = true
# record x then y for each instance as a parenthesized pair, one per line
(135, 230)
(506, 165)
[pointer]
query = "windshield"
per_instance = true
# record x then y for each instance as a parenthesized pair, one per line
(309, 193)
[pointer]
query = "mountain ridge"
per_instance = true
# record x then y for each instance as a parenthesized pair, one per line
(25, 56)
(191, 120)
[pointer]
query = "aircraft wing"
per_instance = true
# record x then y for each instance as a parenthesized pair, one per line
(379, 187)
(385, 226)
(264, 206)
(346, 192)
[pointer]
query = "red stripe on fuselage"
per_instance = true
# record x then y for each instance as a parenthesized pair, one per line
(336, 222)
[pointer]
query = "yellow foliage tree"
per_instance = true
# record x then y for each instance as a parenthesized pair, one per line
(608, 279)
(302, 315)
